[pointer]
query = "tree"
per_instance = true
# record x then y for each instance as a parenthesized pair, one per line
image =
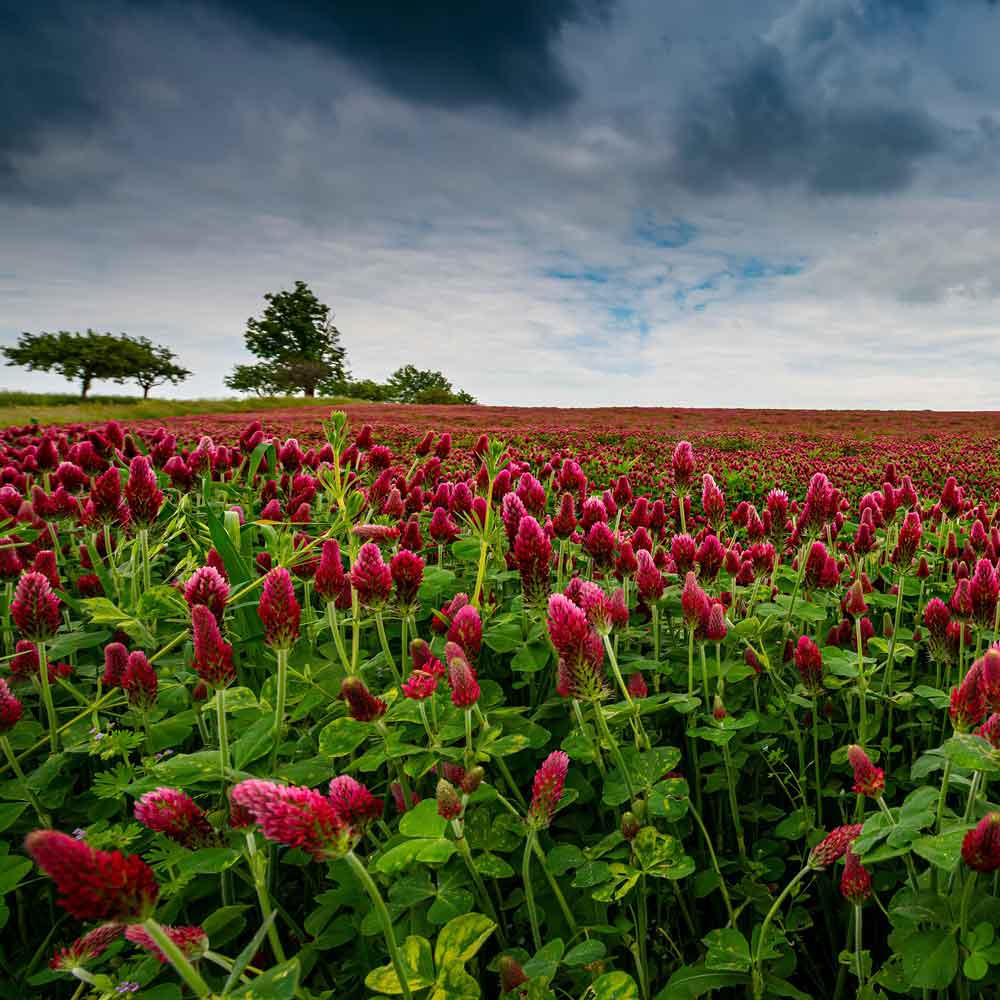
(410, 384)
(79, 357)
(155, 365)
(297, 343)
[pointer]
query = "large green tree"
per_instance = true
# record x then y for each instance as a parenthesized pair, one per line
(297, 343)
(410, 384)
(84, 357)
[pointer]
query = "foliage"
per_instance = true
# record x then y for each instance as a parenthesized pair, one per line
(678, 829)
(299, 346)
(410, 384)
(92, 355)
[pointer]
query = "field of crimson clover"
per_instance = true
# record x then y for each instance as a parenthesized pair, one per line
(406, 720)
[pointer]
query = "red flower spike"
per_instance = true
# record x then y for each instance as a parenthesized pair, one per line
(296, 817)
(11, 709)
(533, 557)
(467, 631)
(547, 789)
(86, 949)
(362, 705)
(213, 657)
(279, 610)
(462, 678)
(208, 587)
(809, 663)
(353, 802)
(420, 685)
(834, 845)
(139, 682)
(115, 662)
(855, 883)
(330, 576)
(94, 885)
(192, 941)
(35, 608)
(143, 495)
(175, 814)
(371, 578)
(869, 780)
(449, 804)
(981, 845)
(407, 570)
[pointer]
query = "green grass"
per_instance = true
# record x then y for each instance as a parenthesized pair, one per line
(18, 408)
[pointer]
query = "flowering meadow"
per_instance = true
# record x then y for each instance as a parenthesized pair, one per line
(558, 705)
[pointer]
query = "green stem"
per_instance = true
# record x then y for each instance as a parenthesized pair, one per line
(361, 873)
(281, 694)
(715, 862)
(338, 639)
(220, 709)
(484, 547)
(554, 886)
(529, 893)
(887, 676)
(602, 725)
(819, 783)
(596, 749)
(945, 780)
(734, 804)
(46, 691)
(858, 953)
(463, 848)
(176, 957)
(641, 935)
(386, 651)
(862, 684)
(257, 862)
(758, 979)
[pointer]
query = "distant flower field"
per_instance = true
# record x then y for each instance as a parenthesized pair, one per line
(450, 702)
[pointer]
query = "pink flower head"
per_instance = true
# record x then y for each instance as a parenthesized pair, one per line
(362, 705)
(175, 814)
(981, 845)
(637, 686)
(94, 885)
(115, 662)
(715, 628)
(279, 609)
(467, 631)
(192, 941)
(442, 527)
(35, 608)
(144, 497)
(423, 659)
(682, 551)
(855, 883)
(869, 780)
(834, 845)
(356, 805)
(296, 817)
(139, 682)
(420, 685)
(984, 590)
(648, 579)
(371, 577)
(990, 730)
(564, 522)
(694, 602)
(86, 949)
(855, 604)
(213, 657)
(988, 666)
(712, 501)
(461, 677)
(11, 709)
(105, 504)
(407, 570)
(533, 557)
(449, 804)
(683, 465)
(600, 544)
(208, 587)
(547, 789)
(809, 663)
(910, 533)
(330, 575)
(579, 649)
(603, 611)
(710, 557)
(45, 563)
(968, 703)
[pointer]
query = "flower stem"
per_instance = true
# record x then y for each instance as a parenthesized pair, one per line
(357, 866)
(858, 950)
(602, 725)
(387, 652)
(46, 690)
(529, 893)
(220, 709)
(463, 848)
(176, 957)
(714, 860)
(338, 639)
(554, 885)
(257, 861)
(758, 979)
(819, 784)
(280, 697)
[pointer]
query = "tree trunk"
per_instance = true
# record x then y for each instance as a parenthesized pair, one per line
(309, 390)
(145, 392)
(85, 387)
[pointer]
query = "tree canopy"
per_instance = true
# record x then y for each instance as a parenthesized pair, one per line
(298, 345)
(84, 357)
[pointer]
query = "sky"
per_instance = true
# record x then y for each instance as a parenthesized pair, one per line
(567, 202)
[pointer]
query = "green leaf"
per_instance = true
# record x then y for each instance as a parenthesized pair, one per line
(728, 951)
(615, 986)
(423, 821)
(466, 549)
(585, 952)
(930, 959)
(974, 752)
(12, 871)
(942, 851)
(208, 861)
(342, 736)
(645, 769)
(461, 938)
(692, 981)
(279, 983)
(416, 955)
(975, 967)
(9, 813)
(224, 924)
(454, 983)
(545, 961)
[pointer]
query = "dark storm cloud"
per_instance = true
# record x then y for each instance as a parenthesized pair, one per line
(758, 127)
(444, 52)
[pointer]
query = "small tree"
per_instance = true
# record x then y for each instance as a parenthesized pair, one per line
(155, 365)
(297, 343)
(79, 357)
(408, 383)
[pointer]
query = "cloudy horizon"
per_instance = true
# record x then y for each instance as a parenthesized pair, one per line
(565, 202)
